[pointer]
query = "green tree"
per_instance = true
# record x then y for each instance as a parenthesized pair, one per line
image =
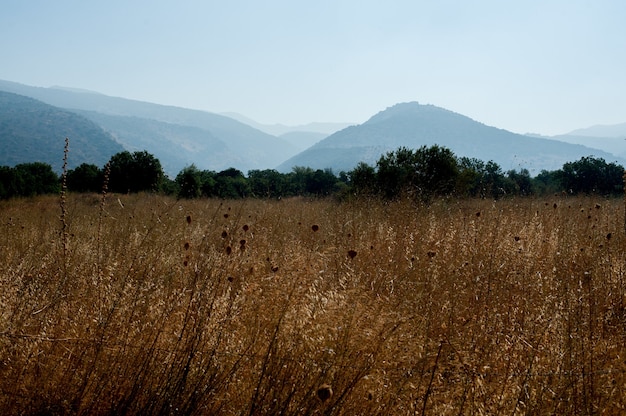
(208, 187)
(547, 182)
(438, 170)
(85, 178)
(521, 183)
(135, 172)
(592, 175)
(10, 183)
(231, 183)
(494, 181)
(422, 173)
(320, 182)
(267, 183)
(362, 179)
(396, 173)
(189, 181)
(36, 178)
(470, 181)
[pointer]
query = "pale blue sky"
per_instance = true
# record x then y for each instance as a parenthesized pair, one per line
(543, 66)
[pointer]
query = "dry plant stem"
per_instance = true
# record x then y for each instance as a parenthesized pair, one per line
(64, 230)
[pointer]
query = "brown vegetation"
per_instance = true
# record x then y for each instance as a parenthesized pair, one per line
(147, 305)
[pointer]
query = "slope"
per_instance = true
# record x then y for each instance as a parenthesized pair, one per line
(32, 131)
(248, 148)
(413, 125)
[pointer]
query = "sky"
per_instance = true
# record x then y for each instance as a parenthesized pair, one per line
(532, 66)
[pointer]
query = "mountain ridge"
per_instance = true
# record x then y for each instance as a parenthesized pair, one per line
(414, 125)
(180, 137)
(249, 147)
(33, 131)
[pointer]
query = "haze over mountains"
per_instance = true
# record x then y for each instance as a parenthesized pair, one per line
(32, 131)
(180, 137)
(414, 125)
(176, 136)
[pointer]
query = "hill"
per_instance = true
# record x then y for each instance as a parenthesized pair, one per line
(236, 144)
(414, 125)
(602, 130)
(32, 131)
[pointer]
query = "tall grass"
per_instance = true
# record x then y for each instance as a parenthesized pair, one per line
(312, 307)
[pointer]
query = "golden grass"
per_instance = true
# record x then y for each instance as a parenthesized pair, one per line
(147, 305)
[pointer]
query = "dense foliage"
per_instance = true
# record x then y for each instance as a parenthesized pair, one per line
(419, 174)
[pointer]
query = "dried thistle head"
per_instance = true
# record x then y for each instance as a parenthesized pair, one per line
(324, 392)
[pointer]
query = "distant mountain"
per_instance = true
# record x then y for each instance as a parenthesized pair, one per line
(302, 140)
(325, 129)
(613, 130)
(32, 131)
(413, 125)
(175, 145)
(614, 145)
(235, 144)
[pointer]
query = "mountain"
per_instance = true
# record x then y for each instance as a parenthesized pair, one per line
(32, 131)
(301, 136)
(612, 130)
(610, 138)
(413, 125)
(614, 145)
(302, 140)
(281, 129)
(191, 137)
(175, 145)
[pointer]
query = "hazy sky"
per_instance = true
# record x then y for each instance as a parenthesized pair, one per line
(543, 66)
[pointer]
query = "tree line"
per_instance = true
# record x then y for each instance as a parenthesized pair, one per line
(421, 174)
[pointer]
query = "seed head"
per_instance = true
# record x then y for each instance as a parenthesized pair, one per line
(324, 392)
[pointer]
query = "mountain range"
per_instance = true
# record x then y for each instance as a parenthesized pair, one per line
(32, 131)
(179, 137)
(176, 136)
(414, 125)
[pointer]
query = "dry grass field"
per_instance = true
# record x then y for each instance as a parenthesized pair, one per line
(148, 305)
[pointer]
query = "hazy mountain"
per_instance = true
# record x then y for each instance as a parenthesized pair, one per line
(242, 146)
(325, 129)
(32, 131)
(613, 130)
(175, 145)
(303, 139)
(614, 145)
(413, 125)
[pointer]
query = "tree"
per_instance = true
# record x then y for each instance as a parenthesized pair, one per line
(267, 183)
(36, 178)
(189, 181)
(493, 180)
(422, 173)
(521, 182)
(231, 183)
(592, 175)
(320, 182)
(85, 178)
(362, 179)
(547, 182)
(470, 181)
(139, 171)
(437, 170)
(396, 172)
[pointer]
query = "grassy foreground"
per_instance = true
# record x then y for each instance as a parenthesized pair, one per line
(147, 305)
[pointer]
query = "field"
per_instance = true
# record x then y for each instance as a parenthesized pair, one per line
(140, 304)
